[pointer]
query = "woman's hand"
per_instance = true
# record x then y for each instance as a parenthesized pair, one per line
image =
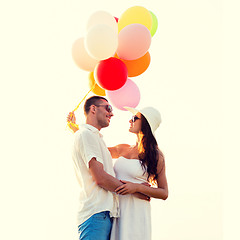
(126, 188)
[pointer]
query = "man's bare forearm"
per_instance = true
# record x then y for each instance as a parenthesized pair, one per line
(109, 182)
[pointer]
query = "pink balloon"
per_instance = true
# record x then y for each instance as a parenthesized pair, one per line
(128, 95)
(134, 41)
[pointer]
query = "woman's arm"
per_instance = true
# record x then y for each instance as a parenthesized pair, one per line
(160, 192)
(114, 152)
(118, 150)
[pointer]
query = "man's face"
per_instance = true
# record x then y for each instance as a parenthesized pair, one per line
(103, 113)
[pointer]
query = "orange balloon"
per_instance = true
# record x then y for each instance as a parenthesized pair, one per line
(137, 66)
(97, 90)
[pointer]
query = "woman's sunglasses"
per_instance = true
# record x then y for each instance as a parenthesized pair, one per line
(135, 118)
(107, 107)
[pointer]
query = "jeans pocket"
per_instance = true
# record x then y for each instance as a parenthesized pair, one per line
(101, 215)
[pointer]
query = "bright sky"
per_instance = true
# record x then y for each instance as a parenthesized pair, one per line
(42, 84)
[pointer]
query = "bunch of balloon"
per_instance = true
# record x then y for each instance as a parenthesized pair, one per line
(115, 49)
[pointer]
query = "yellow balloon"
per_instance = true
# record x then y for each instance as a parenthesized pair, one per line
(97, 90)
(135, 14)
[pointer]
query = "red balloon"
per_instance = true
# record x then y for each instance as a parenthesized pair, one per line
(111, 74)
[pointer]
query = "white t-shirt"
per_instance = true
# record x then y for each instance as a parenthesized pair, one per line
(88, 143)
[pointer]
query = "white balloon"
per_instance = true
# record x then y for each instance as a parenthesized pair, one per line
(81, 56)
(102, 17)
(101, 41)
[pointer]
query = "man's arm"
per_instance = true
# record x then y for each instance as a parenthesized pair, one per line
(103, 179)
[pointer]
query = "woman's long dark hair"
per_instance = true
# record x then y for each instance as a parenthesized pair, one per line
(148, 151)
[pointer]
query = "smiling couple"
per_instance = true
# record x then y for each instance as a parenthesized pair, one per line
(114, 201)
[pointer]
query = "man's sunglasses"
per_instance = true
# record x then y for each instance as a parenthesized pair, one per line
(107, 107)
(135, 118)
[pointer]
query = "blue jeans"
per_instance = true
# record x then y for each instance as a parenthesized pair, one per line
(97, 227)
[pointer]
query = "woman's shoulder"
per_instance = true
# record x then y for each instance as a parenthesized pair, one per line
(122, 147)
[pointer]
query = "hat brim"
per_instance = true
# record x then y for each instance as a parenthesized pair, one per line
(132, 110)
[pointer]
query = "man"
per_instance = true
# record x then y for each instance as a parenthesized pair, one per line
(94, 171)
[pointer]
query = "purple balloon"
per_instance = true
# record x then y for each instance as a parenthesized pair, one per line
(128, 95)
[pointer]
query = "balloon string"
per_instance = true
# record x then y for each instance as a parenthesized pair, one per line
(69, 124)
(85, 97)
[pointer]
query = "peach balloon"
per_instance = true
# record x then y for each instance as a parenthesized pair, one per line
(133, 41)
(81, 57)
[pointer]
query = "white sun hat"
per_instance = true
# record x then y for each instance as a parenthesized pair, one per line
(151, 114)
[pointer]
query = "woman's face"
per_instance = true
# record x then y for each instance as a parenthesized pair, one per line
(135, 123)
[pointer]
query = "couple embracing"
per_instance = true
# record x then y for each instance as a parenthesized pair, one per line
(114, 201)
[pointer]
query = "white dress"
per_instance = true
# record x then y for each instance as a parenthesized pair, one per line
(135, 214)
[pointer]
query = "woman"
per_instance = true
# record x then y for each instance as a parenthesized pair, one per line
(135, 165)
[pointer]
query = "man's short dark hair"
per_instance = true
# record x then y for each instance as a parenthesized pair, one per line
(94, 100)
